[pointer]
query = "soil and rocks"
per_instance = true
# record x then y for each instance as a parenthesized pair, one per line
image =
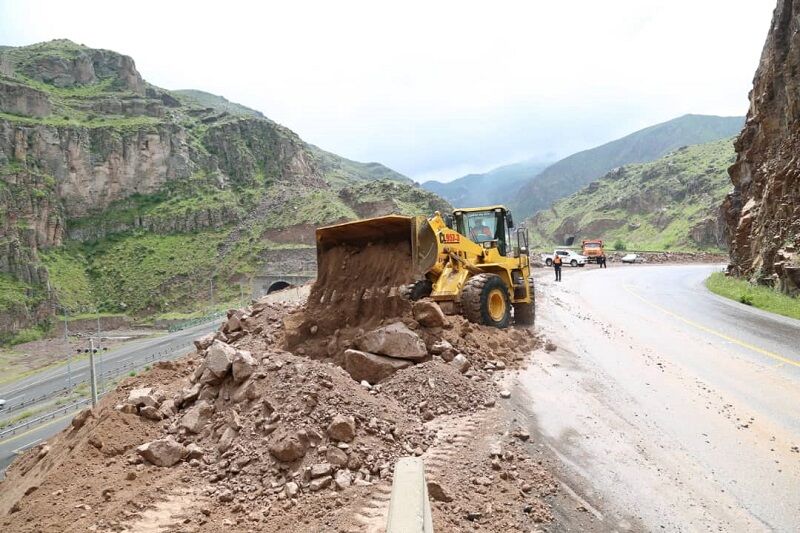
(273, 424)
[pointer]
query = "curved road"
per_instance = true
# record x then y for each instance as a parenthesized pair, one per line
(670, 407)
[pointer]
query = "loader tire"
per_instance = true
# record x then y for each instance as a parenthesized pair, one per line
(418, 290)
(485, 300)
(525, 314)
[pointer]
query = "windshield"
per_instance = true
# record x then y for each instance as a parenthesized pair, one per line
(481, 227)
(592, 245)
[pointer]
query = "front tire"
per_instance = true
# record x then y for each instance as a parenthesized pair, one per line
(418, 290)
(549, 262)
(485, 300)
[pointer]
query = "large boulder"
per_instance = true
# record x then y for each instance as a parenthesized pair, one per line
(394, 340)
(197, 417)
(162, 452)
(243, 365)
(429, 314)
(219, 358)
(288, 447)
(364, 366)
(143, 397)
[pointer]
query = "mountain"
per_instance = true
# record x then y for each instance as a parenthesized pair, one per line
(124, 197)
(763, 210)
(667, 204)
(494, 187)
(578, 170)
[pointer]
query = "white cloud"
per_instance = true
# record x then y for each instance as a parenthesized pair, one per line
(432, 88)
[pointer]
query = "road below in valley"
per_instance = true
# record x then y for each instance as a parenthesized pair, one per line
(670, 408)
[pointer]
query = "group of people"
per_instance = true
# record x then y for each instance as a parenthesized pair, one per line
(557, 263)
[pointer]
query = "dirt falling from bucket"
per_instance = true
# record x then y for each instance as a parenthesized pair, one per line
(358, 286)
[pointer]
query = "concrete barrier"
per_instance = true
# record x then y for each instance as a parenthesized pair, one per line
(409, 508)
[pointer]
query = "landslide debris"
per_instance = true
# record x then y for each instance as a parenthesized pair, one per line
(245, 435)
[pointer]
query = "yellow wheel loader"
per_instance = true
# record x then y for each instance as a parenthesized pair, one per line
(471, 262)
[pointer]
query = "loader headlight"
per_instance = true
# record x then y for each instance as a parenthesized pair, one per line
(488, 244)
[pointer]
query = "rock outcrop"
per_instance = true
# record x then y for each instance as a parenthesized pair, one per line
(88, 150)
(763, 211)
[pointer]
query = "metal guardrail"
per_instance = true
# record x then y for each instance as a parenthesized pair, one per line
(195, 321)
(131, 366)
(43, 418)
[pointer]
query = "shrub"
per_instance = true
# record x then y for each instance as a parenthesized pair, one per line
(619, 246)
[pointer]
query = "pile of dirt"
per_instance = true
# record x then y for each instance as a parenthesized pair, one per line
(243, 435)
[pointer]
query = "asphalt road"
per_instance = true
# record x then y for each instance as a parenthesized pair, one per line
(671, 408)
(49, 383)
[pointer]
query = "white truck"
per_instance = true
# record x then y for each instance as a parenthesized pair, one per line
(568, 257)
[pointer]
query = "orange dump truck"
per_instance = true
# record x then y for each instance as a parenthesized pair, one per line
(593, 250)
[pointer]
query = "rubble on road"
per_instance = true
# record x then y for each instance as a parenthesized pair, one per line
(281, 422)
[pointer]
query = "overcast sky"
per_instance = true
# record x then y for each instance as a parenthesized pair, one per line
(433, 89)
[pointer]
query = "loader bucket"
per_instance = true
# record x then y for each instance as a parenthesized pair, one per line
(409, 240)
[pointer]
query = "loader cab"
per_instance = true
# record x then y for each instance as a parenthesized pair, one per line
(487, 226)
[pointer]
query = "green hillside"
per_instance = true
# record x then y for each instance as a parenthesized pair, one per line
(493, 187)
(124, 197)
(668, 204)
(578, 170)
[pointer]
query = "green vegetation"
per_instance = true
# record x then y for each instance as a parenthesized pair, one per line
(578, 170)
(765, 298)
(69, 278)
(235, 185)
(668, 204)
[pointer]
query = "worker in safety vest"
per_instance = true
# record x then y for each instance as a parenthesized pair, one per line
(557, 266)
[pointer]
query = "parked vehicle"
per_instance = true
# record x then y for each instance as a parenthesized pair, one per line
(568, 257)
(632, 258)
(2, 404)
(593, 250)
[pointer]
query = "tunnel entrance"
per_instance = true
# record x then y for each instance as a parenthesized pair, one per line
(278, 286)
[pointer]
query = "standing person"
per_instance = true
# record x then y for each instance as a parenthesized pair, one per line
(557, 266)
(603, 262)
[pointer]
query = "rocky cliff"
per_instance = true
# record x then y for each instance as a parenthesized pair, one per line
(763, 211)
(95, 161)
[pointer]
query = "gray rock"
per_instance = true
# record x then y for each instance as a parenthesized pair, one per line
(429, 314)
(342, 428)
(461, 363)
(204, 342)
(219, 358)
(320, 483)
(143, 397)
(243, 365)
(150, 412)
(394, 340)
(343, 479)
(197, 417)
(321, 469)
(364, 366)
(162, 452)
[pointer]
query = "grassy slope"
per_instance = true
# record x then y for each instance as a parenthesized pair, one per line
(744, 292)
(578, 170)
(121, 266)
(653, 205)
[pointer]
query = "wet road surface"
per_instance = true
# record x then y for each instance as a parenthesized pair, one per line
(671, 409)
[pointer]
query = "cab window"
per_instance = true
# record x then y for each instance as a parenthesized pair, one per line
(481, 227)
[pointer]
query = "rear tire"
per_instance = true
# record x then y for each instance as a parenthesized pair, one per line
(485, 300)
(573, 263)
(525, 314)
